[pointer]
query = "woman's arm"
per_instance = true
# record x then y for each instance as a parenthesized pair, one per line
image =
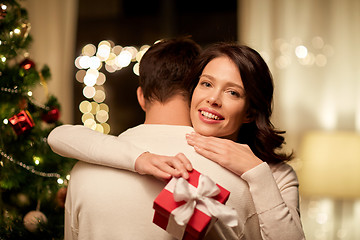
(84, 144)
(274, 189)
(233, 156)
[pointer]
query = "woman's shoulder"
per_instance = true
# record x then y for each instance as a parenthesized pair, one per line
(282, 166)
(283, 171)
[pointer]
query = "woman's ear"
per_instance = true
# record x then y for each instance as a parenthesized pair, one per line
(249, 117)
(141, 99)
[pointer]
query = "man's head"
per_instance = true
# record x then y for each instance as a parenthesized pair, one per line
(164, 69)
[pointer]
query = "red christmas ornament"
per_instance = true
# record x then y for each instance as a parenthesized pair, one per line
(51, 116)
(61, 196)
(27, 64)
(21, 122)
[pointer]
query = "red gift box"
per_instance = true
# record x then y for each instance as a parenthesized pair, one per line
(21, 122)
(200, 221)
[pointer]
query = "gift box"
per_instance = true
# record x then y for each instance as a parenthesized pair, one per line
(187, 209)
(21, 122)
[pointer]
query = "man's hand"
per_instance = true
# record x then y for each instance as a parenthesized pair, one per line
(163, 167)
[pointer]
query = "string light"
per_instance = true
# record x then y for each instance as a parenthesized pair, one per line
(39, 105)
(36, 160)
(17, 31)
(34, 102)
(29, 168)
(10, 90)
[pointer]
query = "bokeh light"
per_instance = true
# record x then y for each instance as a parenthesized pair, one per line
(79, 76)
(85, 106)
(84, 62)
(89, 92)
(123, 59)
(101, 79)
(111, 58)
(87, 116)
(94, 107)
(90, 123)
(99, 96)
(94, 63)
(136, 69)
(89, 50)
(106, 127)
(102, 116)
(104, 106)
(301, 51)
(313, 53)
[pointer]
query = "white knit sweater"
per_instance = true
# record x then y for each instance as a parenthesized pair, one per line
(107, 203)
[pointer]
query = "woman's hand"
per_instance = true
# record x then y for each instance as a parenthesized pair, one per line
(163, 167)
(233, 156)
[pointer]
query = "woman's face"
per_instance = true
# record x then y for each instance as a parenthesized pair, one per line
(218, 105)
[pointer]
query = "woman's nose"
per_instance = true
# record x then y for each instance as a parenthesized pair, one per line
(214, 100)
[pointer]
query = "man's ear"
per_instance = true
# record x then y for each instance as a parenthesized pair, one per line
(141, 99)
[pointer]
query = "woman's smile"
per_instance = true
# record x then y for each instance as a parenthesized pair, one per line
(210, 116)
(218, 106)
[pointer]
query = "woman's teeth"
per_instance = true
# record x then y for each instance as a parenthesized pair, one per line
(209, 115)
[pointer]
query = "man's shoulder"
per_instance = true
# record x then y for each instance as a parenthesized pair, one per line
(157, 128)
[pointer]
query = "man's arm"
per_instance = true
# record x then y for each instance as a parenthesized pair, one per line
(84, 144)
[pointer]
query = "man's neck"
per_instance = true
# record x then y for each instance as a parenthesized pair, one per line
(175, 111)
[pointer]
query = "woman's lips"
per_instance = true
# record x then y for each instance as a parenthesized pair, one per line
(210, 116)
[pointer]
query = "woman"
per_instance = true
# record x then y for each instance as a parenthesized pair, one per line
(230, 111)
(233, 100)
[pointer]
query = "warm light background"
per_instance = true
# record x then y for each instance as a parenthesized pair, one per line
(313, 50)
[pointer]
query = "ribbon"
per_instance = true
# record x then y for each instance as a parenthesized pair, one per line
(201, 197)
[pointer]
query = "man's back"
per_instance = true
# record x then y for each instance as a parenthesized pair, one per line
(106, 203)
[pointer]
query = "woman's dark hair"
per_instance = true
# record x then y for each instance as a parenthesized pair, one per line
(164, 67)
(261, 136)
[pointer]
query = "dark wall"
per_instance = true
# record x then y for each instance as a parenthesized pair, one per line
(135, 23)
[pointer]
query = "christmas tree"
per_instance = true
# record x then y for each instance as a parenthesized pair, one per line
(32, 177)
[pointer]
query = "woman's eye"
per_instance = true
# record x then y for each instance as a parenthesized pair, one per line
(234, 93)
(205, 84)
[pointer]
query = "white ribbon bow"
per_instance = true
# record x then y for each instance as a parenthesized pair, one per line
(201, 195)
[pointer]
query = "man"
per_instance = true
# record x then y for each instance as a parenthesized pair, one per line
(106, 203)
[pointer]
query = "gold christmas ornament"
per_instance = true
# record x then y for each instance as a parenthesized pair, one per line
(25, 29)
(32, 220)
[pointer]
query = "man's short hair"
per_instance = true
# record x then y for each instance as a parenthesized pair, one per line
(165, 66)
